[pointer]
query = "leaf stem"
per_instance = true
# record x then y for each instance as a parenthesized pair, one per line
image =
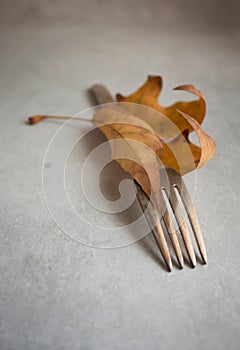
(37, 118)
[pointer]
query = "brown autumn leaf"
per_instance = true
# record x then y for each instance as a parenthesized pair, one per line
(139, 136)
(135, 149)
(148, 95)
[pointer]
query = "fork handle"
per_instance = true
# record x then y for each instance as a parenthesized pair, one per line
(101, 94)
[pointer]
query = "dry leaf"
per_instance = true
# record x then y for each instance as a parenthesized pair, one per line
(148, 95)
(135, 149)
(138, 137)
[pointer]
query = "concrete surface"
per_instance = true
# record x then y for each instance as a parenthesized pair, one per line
(56, 293)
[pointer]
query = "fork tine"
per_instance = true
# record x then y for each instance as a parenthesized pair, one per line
(182, 225)
(161, 241)
(192, 215)
(153, 219)
(173, 236)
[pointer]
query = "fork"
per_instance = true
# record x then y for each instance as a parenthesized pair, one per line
(175, 199)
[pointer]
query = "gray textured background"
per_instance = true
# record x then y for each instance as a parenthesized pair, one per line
(57, 294)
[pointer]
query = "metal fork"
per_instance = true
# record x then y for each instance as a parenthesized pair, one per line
(174, 192)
